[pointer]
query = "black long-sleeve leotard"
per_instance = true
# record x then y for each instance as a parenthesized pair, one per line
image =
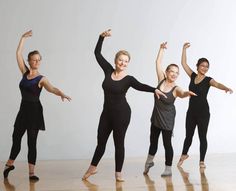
(115, 91)
(116, 111)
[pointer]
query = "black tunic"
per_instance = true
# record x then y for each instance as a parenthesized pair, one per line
(30, 115)
(163, 115)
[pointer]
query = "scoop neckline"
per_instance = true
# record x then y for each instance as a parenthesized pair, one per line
(117, 80)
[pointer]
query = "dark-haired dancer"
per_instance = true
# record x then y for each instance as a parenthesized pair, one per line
(30, 116)
(116, 112)
(198, 111)
(163, 115)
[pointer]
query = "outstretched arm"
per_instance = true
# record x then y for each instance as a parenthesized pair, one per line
(220, 86)
(105, 65)
(187, 69)
(182, 94)
(146, 88)
(50, 88)
(19, 56)
(159, 71)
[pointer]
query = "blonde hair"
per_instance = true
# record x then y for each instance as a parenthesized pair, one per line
(122, 52)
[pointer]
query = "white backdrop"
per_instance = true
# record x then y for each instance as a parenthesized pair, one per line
(65, 32)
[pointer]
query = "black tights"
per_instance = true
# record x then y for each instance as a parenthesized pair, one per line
(166, 136)
(202, 123)
(31, 140)
(116, 121)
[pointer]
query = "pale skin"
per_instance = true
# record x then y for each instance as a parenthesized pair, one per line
(34, 64)
(202, 69)
(119, 73)
(170, 76)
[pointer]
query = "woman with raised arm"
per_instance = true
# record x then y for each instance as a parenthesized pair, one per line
(30, 116)
(116, 112)
(163, 115)
(198, 110)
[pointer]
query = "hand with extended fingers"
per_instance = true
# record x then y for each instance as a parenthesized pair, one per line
(229, 90)
(163, 45)
(186, 45)
(191, 93)
(27, 34)
(159, 93)
(106, 33)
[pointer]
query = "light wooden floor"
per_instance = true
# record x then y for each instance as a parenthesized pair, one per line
(220, 175)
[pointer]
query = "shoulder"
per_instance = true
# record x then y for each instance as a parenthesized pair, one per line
(193, 75)
(43, 79)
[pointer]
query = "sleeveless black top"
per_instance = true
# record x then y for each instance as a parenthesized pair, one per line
(163, 115)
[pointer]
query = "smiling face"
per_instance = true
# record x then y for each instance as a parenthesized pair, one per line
(121, 60)
(203, 68)
(172, 72)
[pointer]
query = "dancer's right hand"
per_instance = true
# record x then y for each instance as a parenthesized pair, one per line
(106, 33)
(163, 45)
(27, 34)
(186, 45)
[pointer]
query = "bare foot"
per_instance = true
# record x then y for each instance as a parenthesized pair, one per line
(91, 171)
(182, 159)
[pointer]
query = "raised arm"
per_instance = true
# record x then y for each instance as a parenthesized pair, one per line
(187, 69)
(182, 94)
(146, 88)
(159, 71)
(19, 57)
(105, 65)
(50, 88)
(220, 86)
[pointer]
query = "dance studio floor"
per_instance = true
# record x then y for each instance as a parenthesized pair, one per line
(220, 175)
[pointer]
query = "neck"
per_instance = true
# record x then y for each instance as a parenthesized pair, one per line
(169, 82)
(33, 71)
(199, 75)
(119, 72)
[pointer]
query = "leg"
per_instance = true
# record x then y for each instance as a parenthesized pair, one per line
(166, 136)
(32, 152)
(16, 146)
(104, 131)
(154, 136)
(202, 133)
(120, 125)
(190, 128)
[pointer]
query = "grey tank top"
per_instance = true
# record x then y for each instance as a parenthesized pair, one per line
(163, 115)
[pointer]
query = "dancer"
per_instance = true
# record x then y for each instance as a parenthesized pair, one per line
(198, 110)
(30, 116)
(163, 115)
(116, 112)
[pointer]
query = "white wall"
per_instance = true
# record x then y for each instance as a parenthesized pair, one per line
(65, 32)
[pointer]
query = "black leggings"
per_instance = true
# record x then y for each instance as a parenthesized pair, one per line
(116, 121)
(166, 136)
(31, 140)
(202, 123)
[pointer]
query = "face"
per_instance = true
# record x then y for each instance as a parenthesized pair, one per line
(203, 68)
(122, 62)
(34, 61)
(172, 73)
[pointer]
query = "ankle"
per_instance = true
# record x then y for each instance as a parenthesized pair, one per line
(119, 177)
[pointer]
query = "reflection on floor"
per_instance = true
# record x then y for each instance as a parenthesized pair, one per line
(220, 175)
